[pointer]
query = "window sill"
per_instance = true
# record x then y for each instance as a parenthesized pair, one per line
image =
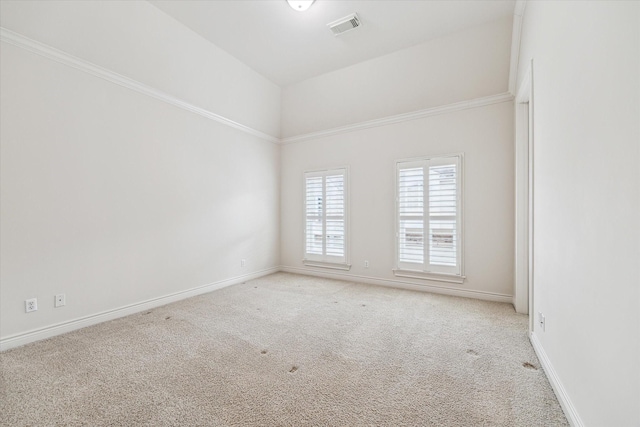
(440, 277)
(332, 265)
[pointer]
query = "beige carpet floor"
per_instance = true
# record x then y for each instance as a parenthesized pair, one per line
(287, 350)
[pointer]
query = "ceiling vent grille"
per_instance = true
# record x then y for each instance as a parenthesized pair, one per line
(345, 24)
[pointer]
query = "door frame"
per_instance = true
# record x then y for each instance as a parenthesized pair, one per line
(524, 172)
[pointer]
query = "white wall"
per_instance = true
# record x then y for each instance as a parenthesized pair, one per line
(135, 39)
(464, 66)
(470, 64)
(114, 197)
(586, 92)
(484, 135)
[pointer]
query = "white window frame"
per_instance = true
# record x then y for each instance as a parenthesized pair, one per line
(425, 270)
(327, 261)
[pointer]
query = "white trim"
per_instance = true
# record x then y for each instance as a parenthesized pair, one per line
(438, 277)
(82, 322)
(334, 266)
(322, 261)
(449, 108)
(561, 393)
(430, 157)
(516, 35)
(524, 91)
(402, 284)
(456, 276)
(54, 54)
(23, 338)
(523, 272)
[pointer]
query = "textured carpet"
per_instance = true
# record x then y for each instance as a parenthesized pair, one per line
(287, 350)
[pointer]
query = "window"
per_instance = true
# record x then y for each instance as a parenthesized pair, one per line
(429, 218)
(325, 237)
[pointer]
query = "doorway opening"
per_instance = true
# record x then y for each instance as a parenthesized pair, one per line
(524, 284)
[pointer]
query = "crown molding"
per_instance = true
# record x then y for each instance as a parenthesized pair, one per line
(57, 55)
(449, 108)
(516, 34)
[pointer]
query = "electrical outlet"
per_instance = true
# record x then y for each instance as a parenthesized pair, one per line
(541, 320)
(60, 300)
(31, 305)
(366, 264)
(243, 262)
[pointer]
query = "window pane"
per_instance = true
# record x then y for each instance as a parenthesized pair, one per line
(443, 208)
(335, 237)
(314, 211)
(325, 210)
(314, 236)
(314, 196)
(411, 215)
(411, 241)
(335, 215)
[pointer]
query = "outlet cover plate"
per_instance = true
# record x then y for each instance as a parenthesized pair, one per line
(60, 301)
(31, 305)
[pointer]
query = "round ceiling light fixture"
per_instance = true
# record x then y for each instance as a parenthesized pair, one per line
(300, 5)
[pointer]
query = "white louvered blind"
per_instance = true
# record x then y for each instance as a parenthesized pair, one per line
(428, 212)
(411, 215)
(443, 213)
(315, 215)
(325, 216)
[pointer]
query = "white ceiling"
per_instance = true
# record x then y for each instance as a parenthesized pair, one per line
(287, 46)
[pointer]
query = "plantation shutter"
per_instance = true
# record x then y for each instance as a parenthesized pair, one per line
(411, 215)
(334, 224)
(428, 212)
(443, 214)
(315, 215)
(325, 211)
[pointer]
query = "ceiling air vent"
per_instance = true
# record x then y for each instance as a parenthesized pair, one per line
(345, 24)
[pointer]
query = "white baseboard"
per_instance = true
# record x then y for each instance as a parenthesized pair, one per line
(561, 393)
(23, 338)
(60, 328)
(394, 283)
